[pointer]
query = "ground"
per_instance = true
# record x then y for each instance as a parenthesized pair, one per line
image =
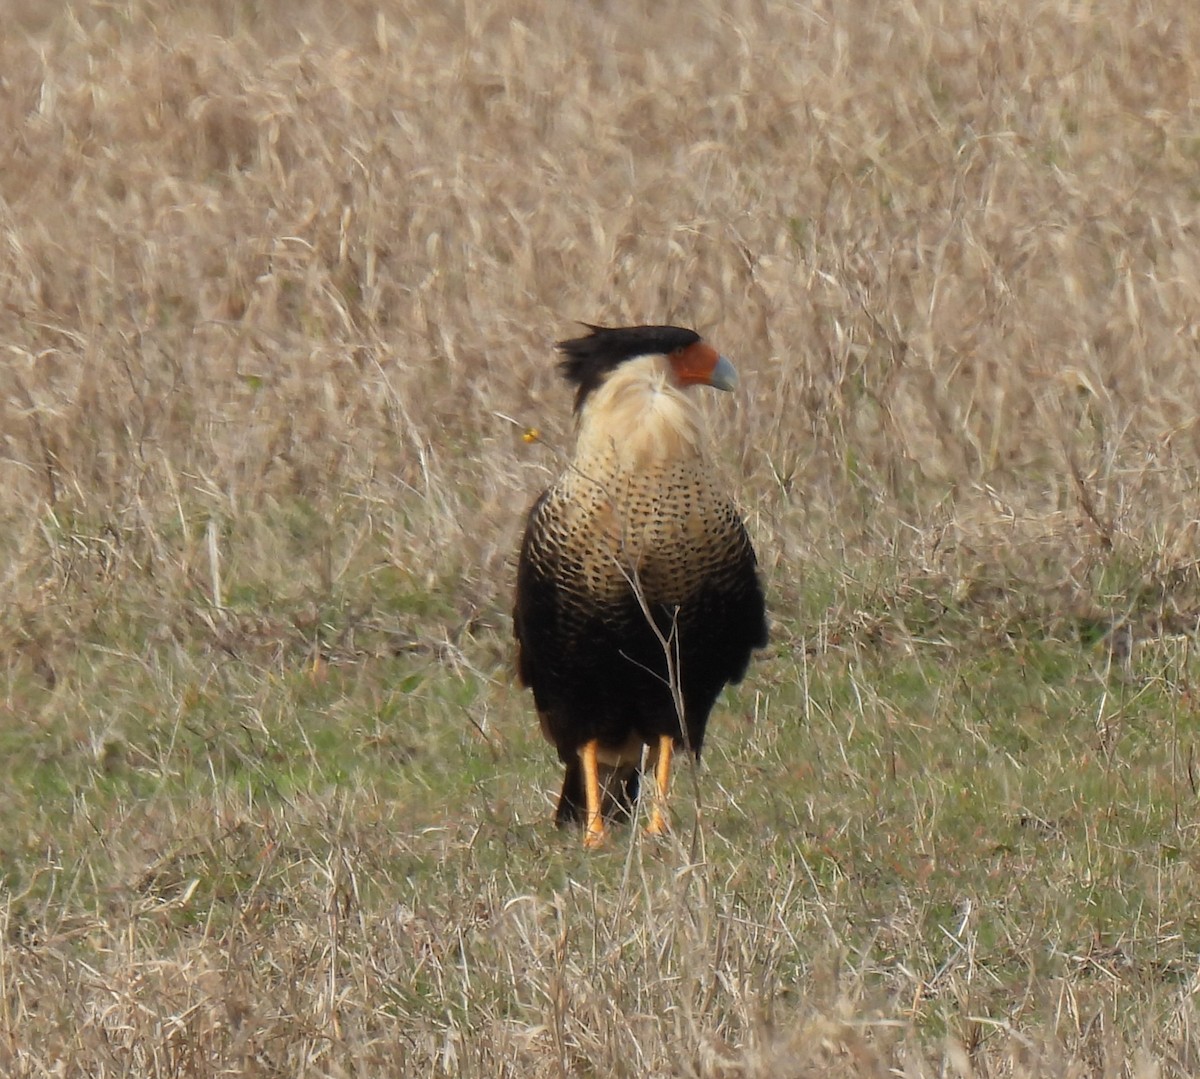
(280, 285)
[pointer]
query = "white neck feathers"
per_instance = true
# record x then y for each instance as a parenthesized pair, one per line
(642, 415)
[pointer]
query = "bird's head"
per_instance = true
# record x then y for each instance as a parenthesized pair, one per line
(692, 361)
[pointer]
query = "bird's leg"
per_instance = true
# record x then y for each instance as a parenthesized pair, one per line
(662, 775)
(595, 834)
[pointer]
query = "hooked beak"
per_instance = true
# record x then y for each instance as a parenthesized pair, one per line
(724, 376)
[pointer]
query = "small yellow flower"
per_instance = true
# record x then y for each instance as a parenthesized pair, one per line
(531, 435)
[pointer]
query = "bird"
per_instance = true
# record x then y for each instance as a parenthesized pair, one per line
(638, 593)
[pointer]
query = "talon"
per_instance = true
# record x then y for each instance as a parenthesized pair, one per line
(658, 825)
(594, 838)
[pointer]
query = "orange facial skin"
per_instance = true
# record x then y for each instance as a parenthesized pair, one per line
(695, 364)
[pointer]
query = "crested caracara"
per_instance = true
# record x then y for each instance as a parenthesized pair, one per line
(636, 528)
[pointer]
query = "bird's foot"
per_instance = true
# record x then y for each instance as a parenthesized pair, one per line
(595, 836)
(658, 823)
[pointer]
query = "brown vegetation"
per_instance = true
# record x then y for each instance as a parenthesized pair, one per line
(278, 285)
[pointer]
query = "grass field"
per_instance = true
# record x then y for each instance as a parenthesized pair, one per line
(279, 285)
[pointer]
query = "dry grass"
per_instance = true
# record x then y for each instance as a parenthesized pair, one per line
(277, 288)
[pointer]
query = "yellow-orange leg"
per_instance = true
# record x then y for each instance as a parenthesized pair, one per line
(662, 776)
(595, 834)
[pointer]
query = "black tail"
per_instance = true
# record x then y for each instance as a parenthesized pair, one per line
(618, 793)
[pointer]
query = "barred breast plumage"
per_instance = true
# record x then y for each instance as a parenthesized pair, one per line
(633, 546)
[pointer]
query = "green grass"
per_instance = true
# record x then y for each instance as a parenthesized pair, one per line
(280, 287)
(943, 831)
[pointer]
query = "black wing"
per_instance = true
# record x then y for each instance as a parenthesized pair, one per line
(720, 626)
(535, 614)
(589, 664)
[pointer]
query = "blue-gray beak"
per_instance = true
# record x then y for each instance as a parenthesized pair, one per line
(724, 375)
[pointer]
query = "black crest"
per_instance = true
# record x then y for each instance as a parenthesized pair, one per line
(589, 359)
